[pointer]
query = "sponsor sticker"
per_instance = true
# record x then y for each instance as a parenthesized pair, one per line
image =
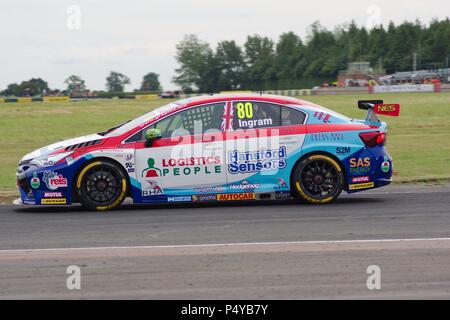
(324, 117)
(129, 166)
(361, 186)
(151, 188)
(236, 196)
(385, 165)
(360, 165)
(360, 179)
(54, 180)
(204, 197)
(35, 181)
(282, 195)
(183, 166)
(282, 185)
(392, 109)
(48, 163)
(256, 161)
(244, 185)
(54, 201)
(179, 199)
(215, 189)
(69, 160)
(52, 194)
(343, 150)
(324, 136)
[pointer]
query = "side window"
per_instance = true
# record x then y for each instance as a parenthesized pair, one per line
(249, 115)
(208, 118)
(290, 116)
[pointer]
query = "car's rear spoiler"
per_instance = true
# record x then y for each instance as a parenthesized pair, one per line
(375, 107)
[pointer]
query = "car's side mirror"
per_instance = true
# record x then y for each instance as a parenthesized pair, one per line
(152, 135)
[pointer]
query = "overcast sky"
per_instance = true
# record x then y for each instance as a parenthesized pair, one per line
(49, 39)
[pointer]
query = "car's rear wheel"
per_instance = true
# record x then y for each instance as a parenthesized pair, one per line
(318, 179)
(101, 185)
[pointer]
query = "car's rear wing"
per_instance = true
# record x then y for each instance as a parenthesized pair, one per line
(375, 107)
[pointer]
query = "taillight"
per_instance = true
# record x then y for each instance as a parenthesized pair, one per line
(374, 138)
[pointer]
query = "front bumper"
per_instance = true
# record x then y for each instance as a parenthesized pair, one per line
(50, 185)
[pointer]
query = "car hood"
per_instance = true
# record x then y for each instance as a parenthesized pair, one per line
(59, 145)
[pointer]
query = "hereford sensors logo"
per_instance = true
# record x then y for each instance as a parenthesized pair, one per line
(256, 161)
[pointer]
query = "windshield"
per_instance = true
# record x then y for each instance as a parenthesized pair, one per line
(130, 124)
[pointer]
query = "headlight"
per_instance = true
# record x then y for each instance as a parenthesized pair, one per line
(48, 161)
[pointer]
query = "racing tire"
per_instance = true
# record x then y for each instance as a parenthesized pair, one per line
(318, 179)
(101, 186)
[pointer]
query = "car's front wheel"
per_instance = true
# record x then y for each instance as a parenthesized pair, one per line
(101, 185)
(318, 179)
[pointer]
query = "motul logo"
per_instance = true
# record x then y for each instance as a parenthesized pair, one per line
(236, 196)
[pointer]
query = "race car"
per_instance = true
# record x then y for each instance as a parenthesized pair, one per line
(215, 148)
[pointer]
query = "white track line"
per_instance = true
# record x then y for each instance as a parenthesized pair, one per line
(224, 245)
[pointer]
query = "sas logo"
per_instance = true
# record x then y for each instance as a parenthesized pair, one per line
(361, 186)
(152, 189)
(54, 180)
(236, 196)
(360, 165)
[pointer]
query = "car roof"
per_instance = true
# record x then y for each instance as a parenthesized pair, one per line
(196, 100)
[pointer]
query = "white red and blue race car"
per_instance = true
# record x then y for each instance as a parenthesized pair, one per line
(215, 148)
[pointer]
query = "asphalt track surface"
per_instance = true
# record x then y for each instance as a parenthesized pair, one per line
(267, 250)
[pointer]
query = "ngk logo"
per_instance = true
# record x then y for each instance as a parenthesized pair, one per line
(54, 180)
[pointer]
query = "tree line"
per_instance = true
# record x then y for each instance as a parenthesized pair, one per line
(75, 85)
(293, 62)
(289, 63)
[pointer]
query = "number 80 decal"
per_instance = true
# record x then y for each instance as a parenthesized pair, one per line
(244, 110)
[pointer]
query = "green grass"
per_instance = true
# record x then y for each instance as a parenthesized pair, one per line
(419, 140)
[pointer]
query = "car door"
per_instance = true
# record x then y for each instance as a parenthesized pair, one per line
(188, 159)
(266, 143)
